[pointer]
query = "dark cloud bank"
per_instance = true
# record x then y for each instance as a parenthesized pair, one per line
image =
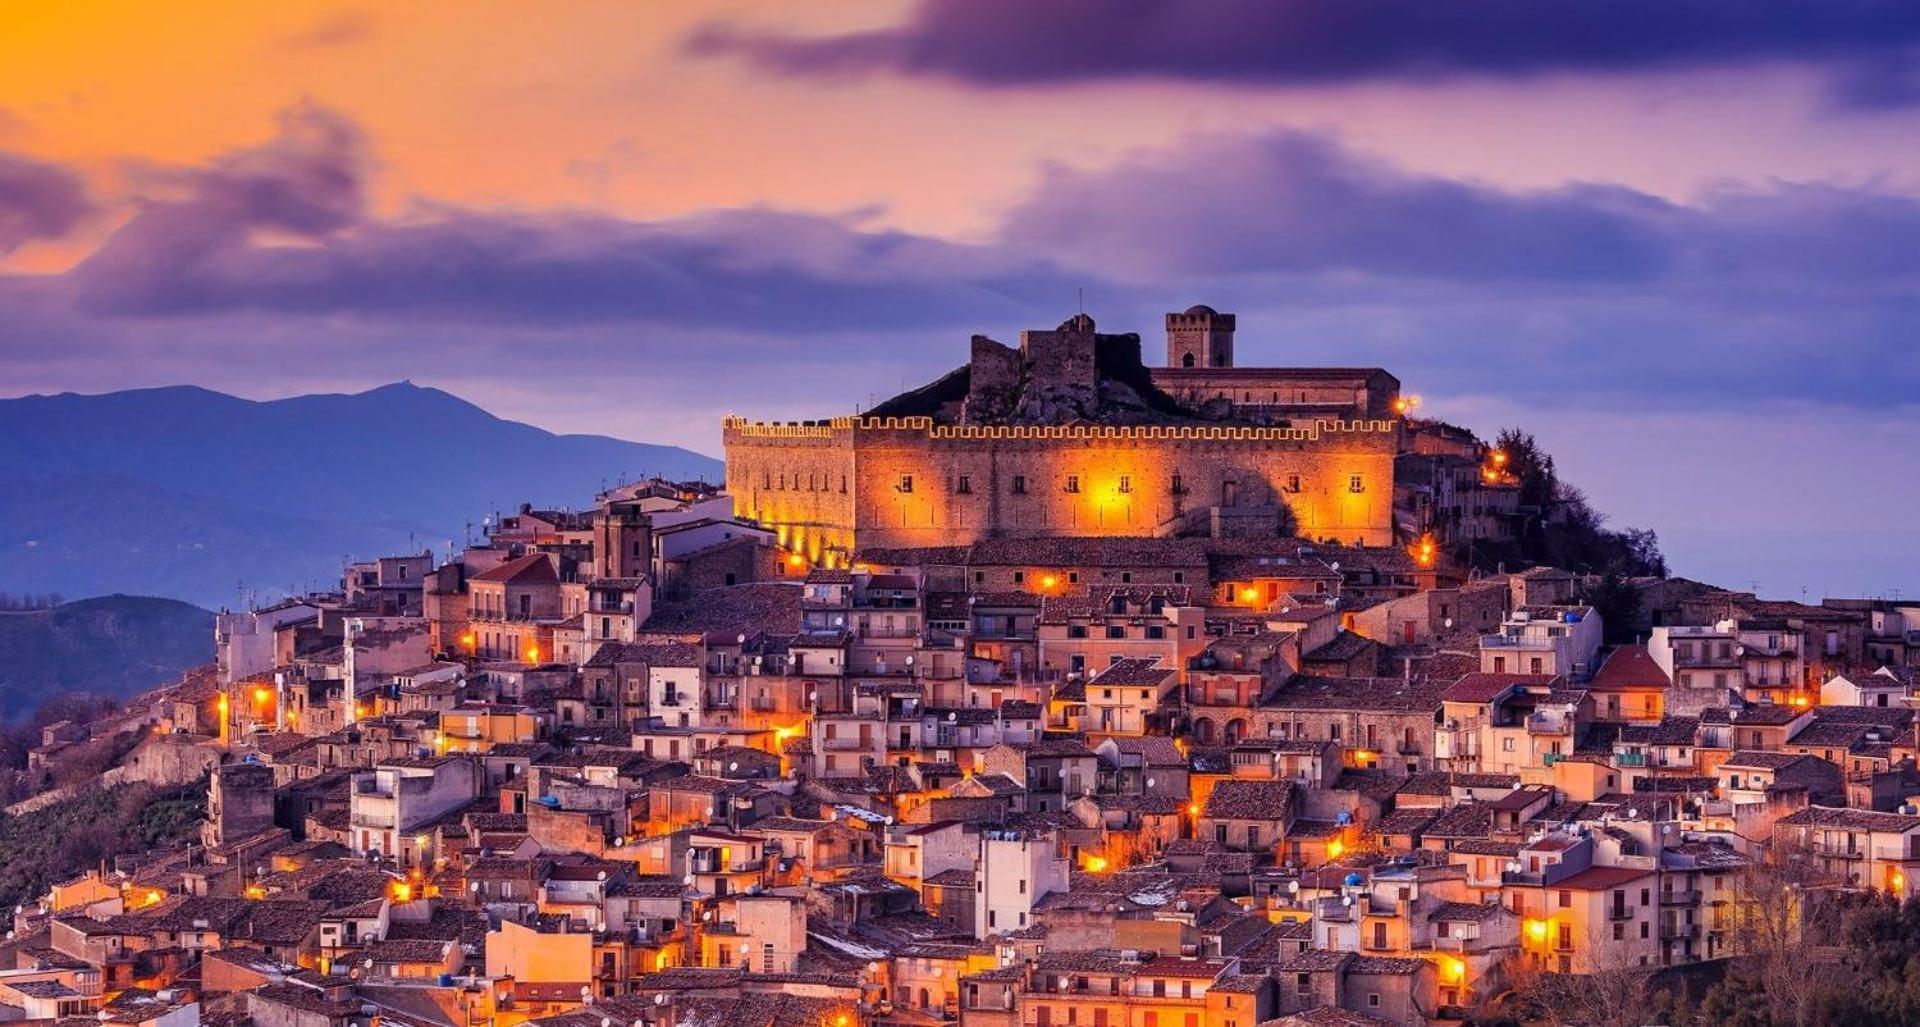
(1869, 44)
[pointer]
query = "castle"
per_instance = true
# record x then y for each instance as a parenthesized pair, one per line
(1070, 434)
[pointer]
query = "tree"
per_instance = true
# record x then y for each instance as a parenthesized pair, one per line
(1618, 605)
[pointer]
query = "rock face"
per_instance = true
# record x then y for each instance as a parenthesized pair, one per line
(1069, 375)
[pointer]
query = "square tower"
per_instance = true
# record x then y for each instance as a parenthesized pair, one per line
(1200, 337)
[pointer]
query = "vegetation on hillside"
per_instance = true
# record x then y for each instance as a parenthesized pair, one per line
(1560, 528)
(66, 838)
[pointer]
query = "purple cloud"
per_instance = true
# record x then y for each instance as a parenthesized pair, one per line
(1297, 203)
(38, 201)
(1011, 42)
(200, 251)
(1565, 295)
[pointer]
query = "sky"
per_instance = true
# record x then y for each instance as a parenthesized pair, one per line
(1678, 240)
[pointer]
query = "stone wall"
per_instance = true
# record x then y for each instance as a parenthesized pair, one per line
(827, 489)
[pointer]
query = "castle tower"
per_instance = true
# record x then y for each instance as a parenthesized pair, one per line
(1200, 337)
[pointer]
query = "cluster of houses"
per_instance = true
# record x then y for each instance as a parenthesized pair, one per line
(644, 765)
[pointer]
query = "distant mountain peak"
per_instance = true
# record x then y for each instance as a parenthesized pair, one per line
(262, 495)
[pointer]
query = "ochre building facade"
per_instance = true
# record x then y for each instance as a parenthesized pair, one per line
(831, 488)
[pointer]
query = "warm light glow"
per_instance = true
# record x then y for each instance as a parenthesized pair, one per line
(402, 891)
(1096, 864)
(660, 960)
(1424, 550)
(1456, 969)
(468, 641)
(261, 695)
(796, 561)
(1193, 809)
(223, 703)
(255, 891)
(153, 898)
(784, 733)
(1801, 701)
(1249, 594)
(1335, 848)
(1899, 880)
(1048, 581)
(1499, 458)
(840, 1021)
(1537, 930)
(533, 654)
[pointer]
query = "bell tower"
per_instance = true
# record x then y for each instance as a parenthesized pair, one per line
(1200, 337)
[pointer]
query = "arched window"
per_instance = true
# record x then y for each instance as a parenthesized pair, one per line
(1186, 360)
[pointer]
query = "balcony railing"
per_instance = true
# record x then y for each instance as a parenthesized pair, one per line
(1680, 897)
(1679, 932)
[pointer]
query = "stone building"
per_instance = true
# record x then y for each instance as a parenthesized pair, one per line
(1071, 434)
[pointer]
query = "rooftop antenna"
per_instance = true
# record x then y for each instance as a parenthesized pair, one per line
(1080, 297)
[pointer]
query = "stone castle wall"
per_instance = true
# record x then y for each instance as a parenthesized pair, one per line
(828, 488)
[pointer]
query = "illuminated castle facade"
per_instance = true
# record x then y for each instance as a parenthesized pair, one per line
(1071, 435)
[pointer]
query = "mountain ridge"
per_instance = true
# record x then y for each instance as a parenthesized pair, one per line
(271, 492)
(112, 645)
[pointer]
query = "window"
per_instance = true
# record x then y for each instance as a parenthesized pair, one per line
(964, 486)
(1293, 483)
(1019, 576)
(1179, 577)
(1126, 484)
(1019, 484)
(1373, 999)
(1073, 483)
(1179, 486)
(1116, 631)
(1356, 483)
(906, 483)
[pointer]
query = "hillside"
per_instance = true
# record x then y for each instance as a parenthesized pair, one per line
(113, 645)
(195, 494)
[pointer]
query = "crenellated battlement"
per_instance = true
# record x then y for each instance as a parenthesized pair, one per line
(1067, 433)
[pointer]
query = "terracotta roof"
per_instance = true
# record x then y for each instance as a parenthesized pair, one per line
(533, 568)
(1629, 668)
(1235, 799)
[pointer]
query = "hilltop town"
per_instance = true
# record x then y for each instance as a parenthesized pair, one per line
(1063, 690)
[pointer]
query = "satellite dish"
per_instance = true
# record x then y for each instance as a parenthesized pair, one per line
(1293, 887)
(1632, 813)
(742, 638)
(1334, 566)
(660, 999)
(1150, 782)
(1346, 900)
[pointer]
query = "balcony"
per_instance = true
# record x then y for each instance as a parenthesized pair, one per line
(1680, 897)
(1630, 759)
(1548, 724)
(710, 863)
(1619, 912)
(1516, 642)
(844, 744)
(1408, 748)
(1679, 932)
